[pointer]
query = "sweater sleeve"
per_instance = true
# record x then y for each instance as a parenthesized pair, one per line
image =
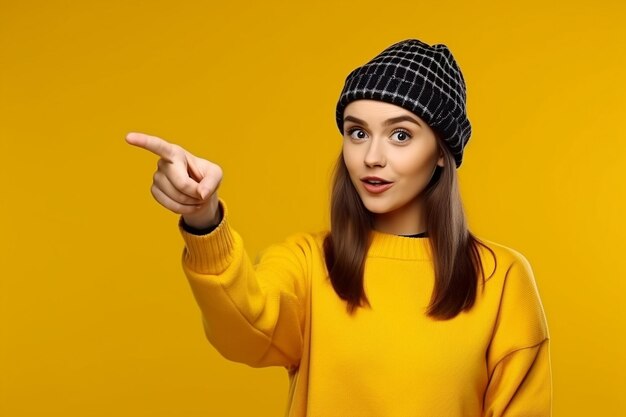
(518, 359)
(253, 313)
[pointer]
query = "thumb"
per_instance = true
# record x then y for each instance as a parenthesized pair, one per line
(197, 174)
(207, 175)
(204, 186)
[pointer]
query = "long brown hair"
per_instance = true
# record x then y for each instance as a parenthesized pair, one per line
(456, 257)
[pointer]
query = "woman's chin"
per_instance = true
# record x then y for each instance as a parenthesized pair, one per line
(377, 207)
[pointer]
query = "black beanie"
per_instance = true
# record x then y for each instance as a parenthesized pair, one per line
(423, 79)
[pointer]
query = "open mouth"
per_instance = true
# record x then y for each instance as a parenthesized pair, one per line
(376, 186)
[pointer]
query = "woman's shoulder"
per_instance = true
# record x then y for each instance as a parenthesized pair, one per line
(304, 244)
(501, 257)
(501, 249)
(514, 285)
(313, 239)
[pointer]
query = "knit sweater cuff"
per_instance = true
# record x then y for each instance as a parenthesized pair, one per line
(209, 253)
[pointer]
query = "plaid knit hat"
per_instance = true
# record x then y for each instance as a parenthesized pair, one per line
(423, 79)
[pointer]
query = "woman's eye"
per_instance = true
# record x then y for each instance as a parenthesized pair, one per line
(403, 135)
(351, 131)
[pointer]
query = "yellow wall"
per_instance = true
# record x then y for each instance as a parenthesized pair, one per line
(96, 317)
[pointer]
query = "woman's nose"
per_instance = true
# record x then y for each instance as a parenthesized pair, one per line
(375, 154)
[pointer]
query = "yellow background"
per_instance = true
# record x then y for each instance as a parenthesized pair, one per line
(96, 317)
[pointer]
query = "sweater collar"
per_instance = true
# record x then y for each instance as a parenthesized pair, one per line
(388, 245)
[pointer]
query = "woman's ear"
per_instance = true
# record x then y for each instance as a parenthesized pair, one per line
(441, 158)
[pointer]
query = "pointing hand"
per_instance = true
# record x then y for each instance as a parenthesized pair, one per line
(183, 183)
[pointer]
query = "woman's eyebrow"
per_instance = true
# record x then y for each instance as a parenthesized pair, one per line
(386, 123)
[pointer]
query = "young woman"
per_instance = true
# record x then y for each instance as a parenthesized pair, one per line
(398, 310)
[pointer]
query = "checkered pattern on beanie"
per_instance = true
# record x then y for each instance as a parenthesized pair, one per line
(423, 79)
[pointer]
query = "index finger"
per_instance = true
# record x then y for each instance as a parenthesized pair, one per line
(154, 144)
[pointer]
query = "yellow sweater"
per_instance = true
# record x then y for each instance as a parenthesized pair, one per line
(388, 361)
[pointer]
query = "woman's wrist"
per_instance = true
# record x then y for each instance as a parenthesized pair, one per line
(208, 218)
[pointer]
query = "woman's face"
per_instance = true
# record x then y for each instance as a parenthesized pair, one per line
(387, 141)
